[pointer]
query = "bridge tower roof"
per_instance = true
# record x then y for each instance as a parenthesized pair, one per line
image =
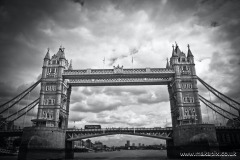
(189, 52)
(167, 65)
(173, 52)
(47, 56)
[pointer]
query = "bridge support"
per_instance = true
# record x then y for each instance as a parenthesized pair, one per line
(69, 152)
(195, 138)
(42, 143)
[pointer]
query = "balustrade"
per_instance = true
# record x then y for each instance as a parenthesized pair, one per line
(116, 80)
(117, 71)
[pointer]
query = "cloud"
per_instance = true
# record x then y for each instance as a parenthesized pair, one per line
(118, 31)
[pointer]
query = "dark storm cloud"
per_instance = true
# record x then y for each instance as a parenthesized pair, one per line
(224, 16)
(8, 91)
(29, 27)
(22, 26)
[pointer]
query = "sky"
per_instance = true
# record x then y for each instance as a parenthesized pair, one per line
(144, 30)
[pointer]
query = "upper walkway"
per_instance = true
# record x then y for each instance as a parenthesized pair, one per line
(119, 76)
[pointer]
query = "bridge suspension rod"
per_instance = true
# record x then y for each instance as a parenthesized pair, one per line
(36, 102)
(18, 100)
(27, 91)
(213, 90)
(217, 106)
(23, 108)
(217, 111)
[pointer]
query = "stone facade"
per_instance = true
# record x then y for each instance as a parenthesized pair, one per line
(55, 93)
(183, 91)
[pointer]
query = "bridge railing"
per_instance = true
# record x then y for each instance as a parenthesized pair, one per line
(122, 129)
(12, 130)
(114, 71)
(117, 80)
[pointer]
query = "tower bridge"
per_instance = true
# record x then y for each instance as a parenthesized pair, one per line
(51, 137)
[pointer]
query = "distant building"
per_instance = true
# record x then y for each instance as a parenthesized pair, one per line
(133, 144)
(143, 145)
(98, 145)
(89, 144)
(78, 144)
(128, 143)
(139, 144)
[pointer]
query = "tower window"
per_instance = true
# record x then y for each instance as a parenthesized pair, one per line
(49, 101)
(51, 88)
(53, 70)
(186, 86)
(188, 99)
(183, 60)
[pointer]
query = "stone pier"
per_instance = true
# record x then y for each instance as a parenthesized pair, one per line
(42, 143)
(194, 138)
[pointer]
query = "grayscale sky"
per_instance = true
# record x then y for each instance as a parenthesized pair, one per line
(119, 30)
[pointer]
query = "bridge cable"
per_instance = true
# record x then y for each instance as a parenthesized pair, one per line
(34, 85)
(222, 112)
(203, 100)
(8, 110)
(26, 112)
(211, 88)
(20, 111)
(17, 110)
(207, 113)
(23, 108)
(17, 100)
(211, 101)
(216, 106)
(35, 101)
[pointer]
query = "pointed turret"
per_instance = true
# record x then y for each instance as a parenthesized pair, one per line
(167, 65)
(59, 53)
(177, 50)
(47, 56)
(189, 52)
(70, 66)
(173, 51)
(62, 55)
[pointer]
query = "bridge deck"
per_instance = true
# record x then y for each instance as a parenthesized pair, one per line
(119, 76)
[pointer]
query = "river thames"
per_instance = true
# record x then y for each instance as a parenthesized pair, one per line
(121, 155)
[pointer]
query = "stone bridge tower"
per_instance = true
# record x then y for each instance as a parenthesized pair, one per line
(189, 134)
(47, 140)
(183, 91)
(53, 105)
